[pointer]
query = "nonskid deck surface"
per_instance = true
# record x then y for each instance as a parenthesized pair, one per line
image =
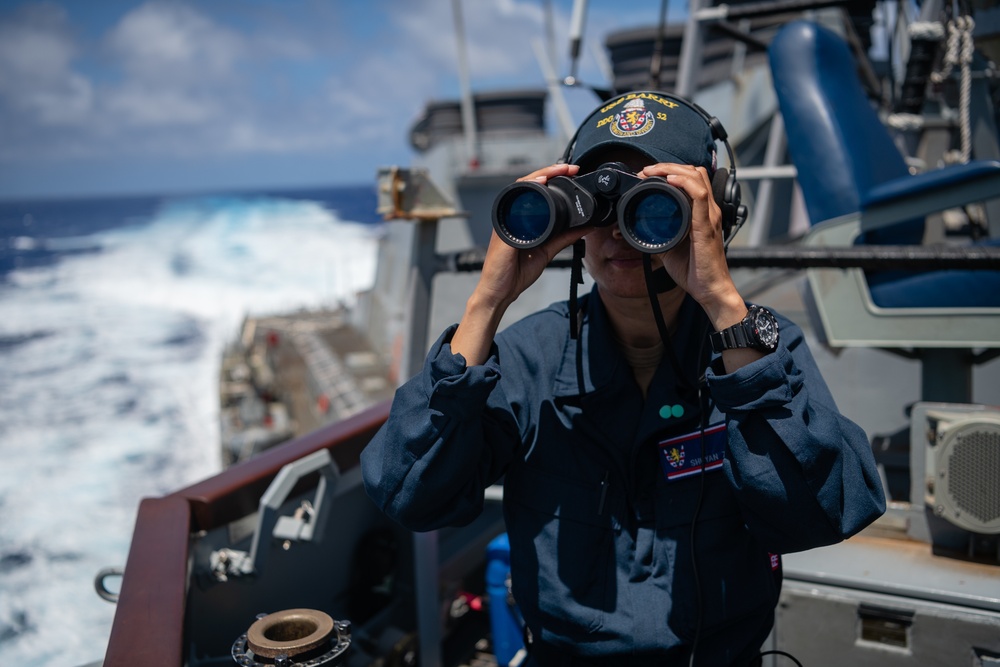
(289, 375)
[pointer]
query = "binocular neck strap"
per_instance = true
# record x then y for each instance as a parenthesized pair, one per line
(575, 321)
(576, 279)
(661, 325)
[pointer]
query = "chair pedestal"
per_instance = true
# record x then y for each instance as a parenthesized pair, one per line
(946, 375)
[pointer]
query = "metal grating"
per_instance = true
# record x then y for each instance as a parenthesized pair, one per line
(974, 472)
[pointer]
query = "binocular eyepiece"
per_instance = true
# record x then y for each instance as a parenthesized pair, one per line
(652, 215)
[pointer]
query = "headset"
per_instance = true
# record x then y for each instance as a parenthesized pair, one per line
(726, 188)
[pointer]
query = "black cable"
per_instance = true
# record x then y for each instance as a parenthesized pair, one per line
(703, 407)
(760, 658)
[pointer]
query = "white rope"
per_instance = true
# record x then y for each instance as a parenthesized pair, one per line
(950, 56)
(965, 104)
(960, 51)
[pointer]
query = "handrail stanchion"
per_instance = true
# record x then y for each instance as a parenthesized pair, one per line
(409, 194)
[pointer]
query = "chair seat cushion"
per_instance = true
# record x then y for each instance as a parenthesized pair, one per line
(953, 288)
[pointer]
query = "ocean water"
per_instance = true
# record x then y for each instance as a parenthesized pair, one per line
(113, 317)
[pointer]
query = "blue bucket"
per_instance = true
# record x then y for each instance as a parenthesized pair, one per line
(504, 618)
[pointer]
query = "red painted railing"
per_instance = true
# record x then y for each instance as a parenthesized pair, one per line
(148, 629)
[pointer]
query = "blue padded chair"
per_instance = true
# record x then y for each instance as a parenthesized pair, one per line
(857, 189)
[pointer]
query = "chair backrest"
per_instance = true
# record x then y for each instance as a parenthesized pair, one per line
(835, 138)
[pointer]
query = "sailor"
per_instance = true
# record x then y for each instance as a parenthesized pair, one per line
(652, 475)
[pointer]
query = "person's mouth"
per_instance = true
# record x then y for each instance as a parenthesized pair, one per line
(626, 261)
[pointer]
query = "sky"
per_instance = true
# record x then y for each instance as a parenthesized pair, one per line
(117, 97)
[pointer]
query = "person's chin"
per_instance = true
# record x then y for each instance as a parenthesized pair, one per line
(627, 281)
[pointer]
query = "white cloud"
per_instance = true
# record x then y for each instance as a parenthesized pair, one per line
(175, 42)
(378, 98)
(196, 79)
(187, 80)
(141, 104)
(500, 38)
(497, 36)
(180, 67)
(36, 77)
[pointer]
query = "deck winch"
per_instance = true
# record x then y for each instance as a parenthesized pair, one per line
(293, 638)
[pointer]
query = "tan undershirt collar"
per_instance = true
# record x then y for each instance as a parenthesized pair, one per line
(644, 361)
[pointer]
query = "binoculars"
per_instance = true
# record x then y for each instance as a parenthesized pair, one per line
(652, 215)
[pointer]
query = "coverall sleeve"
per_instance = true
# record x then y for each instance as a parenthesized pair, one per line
(447, 438)
(804, 474)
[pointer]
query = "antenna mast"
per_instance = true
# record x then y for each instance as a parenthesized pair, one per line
(468, 106)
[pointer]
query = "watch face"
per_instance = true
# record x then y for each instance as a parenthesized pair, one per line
(766, 328)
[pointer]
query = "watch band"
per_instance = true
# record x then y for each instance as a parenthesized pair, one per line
(729, 338)
(745, 333)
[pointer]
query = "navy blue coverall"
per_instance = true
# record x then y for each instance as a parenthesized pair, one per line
(600, 489)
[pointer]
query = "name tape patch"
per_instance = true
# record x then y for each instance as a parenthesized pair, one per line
(681, 456)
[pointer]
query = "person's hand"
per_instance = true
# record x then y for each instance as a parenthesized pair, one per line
(506, 273)
(698, 264)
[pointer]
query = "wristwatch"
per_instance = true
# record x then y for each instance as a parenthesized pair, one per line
(758, 330)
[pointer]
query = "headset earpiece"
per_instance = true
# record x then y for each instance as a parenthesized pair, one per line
(718, 131)
(726, 192)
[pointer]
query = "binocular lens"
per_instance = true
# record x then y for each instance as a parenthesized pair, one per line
(527, 215)
(655, 218)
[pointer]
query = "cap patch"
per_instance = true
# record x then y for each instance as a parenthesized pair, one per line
(634, 120)
(659, 127)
